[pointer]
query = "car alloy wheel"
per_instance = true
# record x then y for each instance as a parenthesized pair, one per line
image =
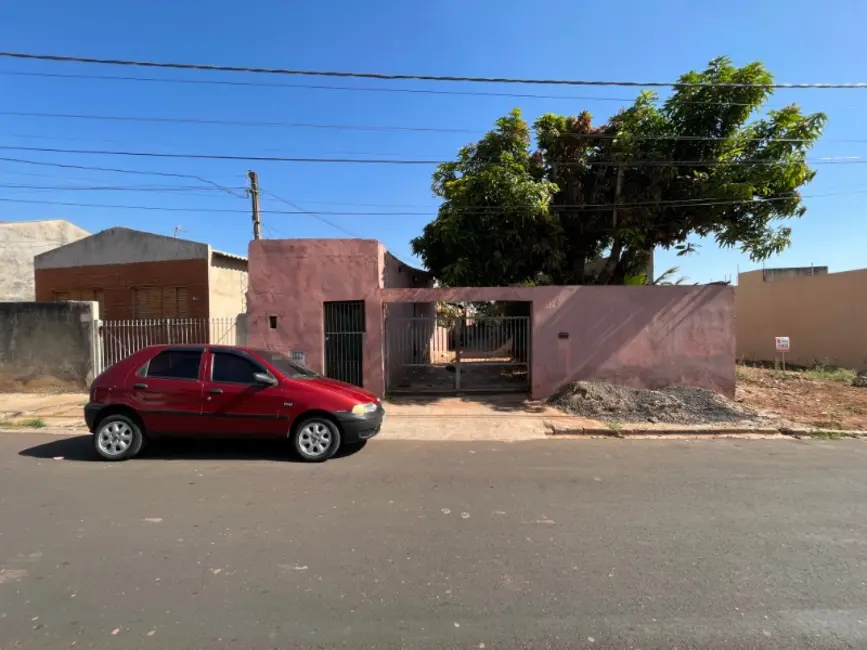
(315, 440)
(114, 438)
(118, 437)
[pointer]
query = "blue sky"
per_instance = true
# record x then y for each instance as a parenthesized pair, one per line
(800, 41)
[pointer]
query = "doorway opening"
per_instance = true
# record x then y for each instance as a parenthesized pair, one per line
(345, 326)
(441, 348)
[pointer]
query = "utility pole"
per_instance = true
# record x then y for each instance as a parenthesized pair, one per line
(254, 198)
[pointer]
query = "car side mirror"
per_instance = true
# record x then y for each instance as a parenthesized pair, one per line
(264, 379)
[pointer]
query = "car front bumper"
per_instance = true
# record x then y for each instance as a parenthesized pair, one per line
(356, 428)
(91, 413)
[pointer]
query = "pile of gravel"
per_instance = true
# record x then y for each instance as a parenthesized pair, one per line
(602, 401)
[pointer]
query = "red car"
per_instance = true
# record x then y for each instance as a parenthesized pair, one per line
(223, 391)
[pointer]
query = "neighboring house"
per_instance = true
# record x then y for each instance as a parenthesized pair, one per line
(823, 314)
(141, 275)
(20, 242)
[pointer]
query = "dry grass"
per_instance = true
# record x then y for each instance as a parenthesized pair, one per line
(820, 397)
(33, 423)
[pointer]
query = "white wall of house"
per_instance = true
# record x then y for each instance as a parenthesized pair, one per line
(20, 242)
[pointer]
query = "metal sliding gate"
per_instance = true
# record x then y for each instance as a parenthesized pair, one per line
(344, 341)
(446, 354)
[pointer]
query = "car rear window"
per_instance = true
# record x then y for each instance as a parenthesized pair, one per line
(176, 364)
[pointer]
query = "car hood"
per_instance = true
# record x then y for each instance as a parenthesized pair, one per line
(347, 389)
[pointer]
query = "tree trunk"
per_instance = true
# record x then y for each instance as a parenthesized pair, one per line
(607, 272)
(579, 264)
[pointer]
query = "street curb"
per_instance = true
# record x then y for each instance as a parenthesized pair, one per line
(50, 431)
(625, 432)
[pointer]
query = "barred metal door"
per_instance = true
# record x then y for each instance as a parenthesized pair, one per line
(344, 341)
(447, 354)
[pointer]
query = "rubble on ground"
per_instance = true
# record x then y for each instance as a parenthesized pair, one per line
(678, 405)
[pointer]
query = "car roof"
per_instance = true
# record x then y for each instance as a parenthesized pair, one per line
(202, 346)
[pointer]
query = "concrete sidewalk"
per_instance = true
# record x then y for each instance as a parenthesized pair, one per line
(476, 417)
(429, 418)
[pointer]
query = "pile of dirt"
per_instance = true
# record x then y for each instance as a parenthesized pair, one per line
(602, 401)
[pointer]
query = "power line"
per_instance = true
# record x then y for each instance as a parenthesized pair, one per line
(255, 84)
(312, 213)
(419, 91)
(375, 128)
(413, 77)
(120, 171)
(284, 125)
(112, 188)
(406, 161)
(674, 203)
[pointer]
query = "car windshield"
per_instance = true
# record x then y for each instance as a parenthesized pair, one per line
(288, 367)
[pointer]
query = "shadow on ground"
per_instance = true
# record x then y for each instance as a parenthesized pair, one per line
(80, 448)
(505, 403)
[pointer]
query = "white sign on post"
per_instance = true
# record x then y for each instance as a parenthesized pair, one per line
(782, 344)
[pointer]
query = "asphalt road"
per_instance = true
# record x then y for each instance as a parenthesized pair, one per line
(594, 544)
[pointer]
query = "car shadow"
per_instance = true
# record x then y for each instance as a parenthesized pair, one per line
(80, 448)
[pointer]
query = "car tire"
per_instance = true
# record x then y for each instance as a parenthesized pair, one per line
(316, 439)
(118, 437)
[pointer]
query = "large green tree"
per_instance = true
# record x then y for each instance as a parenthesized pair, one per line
(590, 202)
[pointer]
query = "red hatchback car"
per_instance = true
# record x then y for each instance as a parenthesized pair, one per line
(223, 391)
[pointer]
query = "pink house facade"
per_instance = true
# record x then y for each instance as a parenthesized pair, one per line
(645, 337)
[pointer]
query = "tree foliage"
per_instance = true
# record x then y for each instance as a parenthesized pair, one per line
(701, 163)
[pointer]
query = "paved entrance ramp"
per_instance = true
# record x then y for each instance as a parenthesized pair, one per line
(471, 417)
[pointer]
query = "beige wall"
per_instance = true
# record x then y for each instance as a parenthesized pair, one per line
(227, 281)
(824, 316)
(120, 246)
(20, 242)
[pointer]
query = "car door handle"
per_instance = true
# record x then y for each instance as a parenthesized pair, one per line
(216, 391)
(140, 386)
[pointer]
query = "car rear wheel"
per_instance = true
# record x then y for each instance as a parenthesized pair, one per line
(117, 437)
(316, 439)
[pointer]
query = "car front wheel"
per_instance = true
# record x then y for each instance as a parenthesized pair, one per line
(117, 437)
(316, 439)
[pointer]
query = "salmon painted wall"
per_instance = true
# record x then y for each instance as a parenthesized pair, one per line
(647, 337)
(290, 279)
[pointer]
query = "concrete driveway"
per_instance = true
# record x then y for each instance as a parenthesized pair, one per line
(409, 544)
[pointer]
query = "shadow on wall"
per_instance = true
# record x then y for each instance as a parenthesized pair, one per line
(640, 337)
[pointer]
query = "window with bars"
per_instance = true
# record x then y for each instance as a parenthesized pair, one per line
(161, 302)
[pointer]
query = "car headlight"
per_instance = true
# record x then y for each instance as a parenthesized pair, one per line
(363, 409)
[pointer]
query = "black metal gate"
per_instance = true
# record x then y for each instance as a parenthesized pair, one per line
(455, 354)
(344, 340)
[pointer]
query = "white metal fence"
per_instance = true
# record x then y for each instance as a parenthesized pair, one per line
(117, 339)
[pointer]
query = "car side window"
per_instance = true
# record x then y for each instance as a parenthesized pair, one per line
(175, 364)
(232, 369)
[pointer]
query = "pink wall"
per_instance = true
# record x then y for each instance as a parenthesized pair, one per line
(646, 337)
(638, 336)
(290, 279)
